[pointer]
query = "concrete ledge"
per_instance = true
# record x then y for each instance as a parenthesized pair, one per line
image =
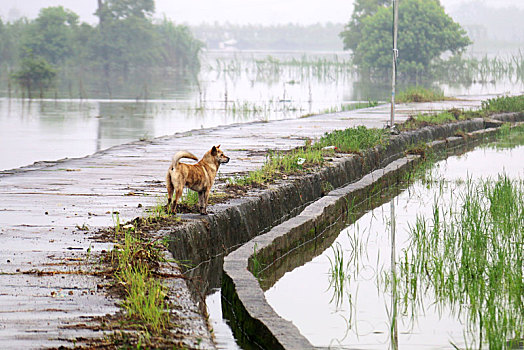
(251, 312)
(252, 318)
(241, 219)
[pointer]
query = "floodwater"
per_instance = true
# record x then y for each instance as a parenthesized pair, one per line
(232, 87)
(358, 313)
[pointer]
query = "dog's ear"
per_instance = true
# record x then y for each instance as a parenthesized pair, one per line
(214, 151)
(218, 146)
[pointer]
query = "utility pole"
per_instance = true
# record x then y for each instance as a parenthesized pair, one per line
(395, 56)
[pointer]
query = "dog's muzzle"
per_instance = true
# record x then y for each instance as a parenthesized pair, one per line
(222, 161)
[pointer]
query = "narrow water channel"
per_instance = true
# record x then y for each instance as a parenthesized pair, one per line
(343, 297)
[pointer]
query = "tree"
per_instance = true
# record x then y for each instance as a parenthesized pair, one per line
(126, 36)
(179, 48)
(425, 32)
(35, 73)
(353, 30)
(50, 35)
(120, 9)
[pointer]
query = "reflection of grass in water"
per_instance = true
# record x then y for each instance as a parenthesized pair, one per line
(337, 274)
(471, 256)
(509, 137)
(345, 264)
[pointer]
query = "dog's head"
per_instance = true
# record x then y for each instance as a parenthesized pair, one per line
(219, 156)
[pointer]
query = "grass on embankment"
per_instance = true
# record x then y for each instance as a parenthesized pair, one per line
(489, 107)
(133, 265)
(134, 261)
(420, 94)
(299, 160)
(358, 139)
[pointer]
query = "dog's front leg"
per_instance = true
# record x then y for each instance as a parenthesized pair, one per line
(202, 202)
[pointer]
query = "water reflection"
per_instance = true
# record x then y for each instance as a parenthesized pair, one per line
(394, 295)
(375, 310)
(230, 88)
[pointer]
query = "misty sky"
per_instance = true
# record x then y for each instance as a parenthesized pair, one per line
(233, 11)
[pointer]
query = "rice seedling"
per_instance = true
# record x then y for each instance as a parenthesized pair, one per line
(471, 256)
(145, 299)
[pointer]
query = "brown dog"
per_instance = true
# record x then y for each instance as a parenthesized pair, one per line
(199, 177)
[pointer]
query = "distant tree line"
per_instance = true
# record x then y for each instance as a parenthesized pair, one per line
(313, 37)
(126, 40)
(492, 27)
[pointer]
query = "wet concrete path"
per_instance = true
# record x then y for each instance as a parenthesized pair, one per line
(49, 211)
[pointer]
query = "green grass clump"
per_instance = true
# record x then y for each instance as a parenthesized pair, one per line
(189, 198)
(496, 105)
(504, 104)
(420, 94)
(421, 120)
(279, 164)
(144, 296)
(353, 140)
(282, 163)
(471, 255)
(145, 300)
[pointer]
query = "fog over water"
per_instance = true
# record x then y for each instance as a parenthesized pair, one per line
(233, 11)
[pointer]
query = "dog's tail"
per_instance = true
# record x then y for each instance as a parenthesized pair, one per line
(180, 155)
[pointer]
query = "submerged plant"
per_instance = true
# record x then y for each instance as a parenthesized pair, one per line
(471, 255)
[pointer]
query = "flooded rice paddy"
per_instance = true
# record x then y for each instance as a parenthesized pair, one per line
(232, 87)
(456, 264)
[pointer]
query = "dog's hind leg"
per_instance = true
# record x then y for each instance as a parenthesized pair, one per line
(170, 190)
(178, 194)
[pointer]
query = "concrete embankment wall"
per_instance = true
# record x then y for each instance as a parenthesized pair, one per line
(248, 310)
(241, 219)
